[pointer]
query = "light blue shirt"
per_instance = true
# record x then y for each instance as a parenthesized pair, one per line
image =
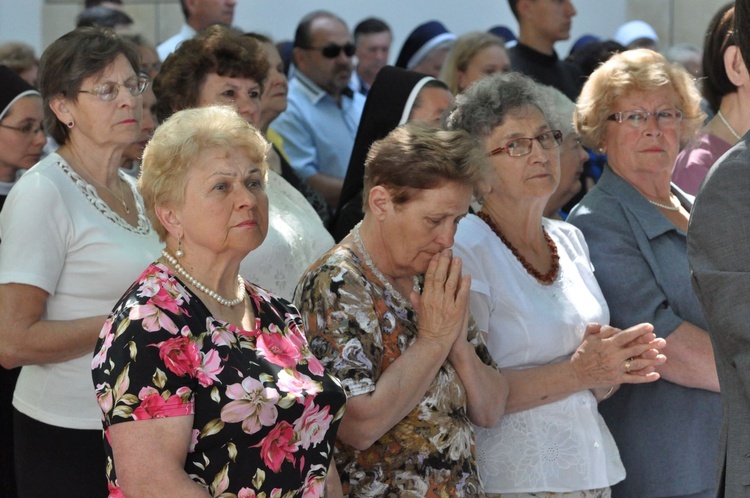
(170, 45)
(318, 133)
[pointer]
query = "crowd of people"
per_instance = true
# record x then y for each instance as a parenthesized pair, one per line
(259, 269)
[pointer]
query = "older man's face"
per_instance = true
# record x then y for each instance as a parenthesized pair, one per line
(330, 74)
(209, 12)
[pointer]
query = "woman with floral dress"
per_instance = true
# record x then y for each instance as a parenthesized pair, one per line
(414, 367)
(204, 394)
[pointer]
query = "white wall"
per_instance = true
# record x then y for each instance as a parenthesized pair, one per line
(38, 23)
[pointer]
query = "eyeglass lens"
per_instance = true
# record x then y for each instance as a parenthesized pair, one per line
(332, 51)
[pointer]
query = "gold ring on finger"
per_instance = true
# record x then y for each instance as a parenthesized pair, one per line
(628, 362)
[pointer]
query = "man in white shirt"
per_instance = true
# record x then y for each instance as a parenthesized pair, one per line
(199, 14)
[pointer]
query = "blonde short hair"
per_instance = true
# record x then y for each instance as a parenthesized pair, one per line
(639, 70)
(461, 53)
(177, 144)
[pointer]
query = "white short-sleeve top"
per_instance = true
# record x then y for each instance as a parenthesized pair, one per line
(58, 235)
(562, 446)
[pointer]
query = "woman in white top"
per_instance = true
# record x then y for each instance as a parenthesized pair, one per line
(74, 234)
(220, 66)
(534, 294)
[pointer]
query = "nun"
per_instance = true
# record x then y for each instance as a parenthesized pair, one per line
(425, 48)
(396, 96)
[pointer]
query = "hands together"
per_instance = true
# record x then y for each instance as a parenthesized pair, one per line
(609, 356)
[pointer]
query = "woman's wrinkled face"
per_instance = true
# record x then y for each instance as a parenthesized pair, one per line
(572, 158)
(105, 123)
(21, 135)
(274, 100)
(486, 62)
(241, 93)
(225, 209)
(531, 176)
(650, 148)
(135, 150)
(424, 225)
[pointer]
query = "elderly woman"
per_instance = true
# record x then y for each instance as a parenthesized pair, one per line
(387, 311)
(396, 96)
(272, 103)
(74, 233)
(474, 56)
(534, 295)
(638, 108)
(220, 66)
(572, 153)
(726, 87)
(207, 386)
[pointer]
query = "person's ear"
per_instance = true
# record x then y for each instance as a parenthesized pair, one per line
(60, 107)
(170, 219)
(735, 66)
(299, 57)
(379, 202)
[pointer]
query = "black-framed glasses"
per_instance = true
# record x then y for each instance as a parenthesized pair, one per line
(109, 90)
(522, 146)
(331, 51)
(29, 129)
(637, 118)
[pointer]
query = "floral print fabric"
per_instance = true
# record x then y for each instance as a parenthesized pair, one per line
(265, 412)
(357, 329)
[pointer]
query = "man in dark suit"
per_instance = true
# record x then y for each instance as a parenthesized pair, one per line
(719, 256)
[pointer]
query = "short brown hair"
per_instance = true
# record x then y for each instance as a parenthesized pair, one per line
(217, 49)
(634, 70)
(80, 54)
(177, 144)
(18, 56)
(416, 157)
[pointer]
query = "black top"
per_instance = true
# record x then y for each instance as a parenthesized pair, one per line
(547, 69)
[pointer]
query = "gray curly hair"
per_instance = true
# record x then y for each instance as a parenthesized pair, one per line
(485, 104)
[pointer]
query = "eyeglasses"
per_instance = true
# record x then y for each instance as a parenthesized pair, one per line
(332, 51)
(522, 146)
(665, 118)
(109, 90)
(29, 129)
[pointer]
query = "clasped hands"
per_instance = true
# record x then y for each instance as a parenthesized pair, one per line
(609, 356)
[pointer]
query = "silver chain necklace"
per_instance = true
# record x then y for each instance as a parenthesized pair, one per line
(378, 274)
(729, 127)
(230, 303)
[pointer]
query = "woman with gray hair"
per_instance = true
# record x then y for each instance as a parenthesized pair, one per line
(534, 296)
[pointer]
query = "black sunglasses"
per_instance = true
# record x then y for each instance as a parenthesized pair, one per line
(332, 51)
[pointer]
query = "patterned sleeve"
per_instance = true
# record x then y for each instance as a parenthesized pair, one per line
(147, 362)
(476, 338)
(342, 323)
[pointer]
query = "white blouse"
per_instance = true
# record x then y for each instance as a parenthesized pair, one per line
(296, 239)
(562, 446)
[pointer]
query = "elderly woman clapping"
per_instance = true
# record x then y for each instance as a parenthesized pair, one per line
(415, 368)
(205, 381)
(534, 294)
(638, 108)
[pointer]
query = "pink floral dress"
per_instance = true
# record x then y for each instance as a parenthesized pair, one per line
(265, 412)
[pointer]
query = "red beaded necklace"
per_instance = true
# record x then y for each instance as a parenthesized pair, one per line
(544, 279)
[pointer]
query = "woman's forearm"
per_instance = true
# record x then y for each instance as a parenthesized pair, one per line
(690, 359)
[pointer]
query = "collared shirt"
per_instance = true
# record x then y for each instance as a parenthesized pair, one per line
(358, 84)
(170, 45)
(318, 133)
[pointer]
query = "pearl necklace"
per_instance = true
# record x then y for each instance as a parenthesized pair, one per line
(378, 274)
(674, 207)
(729, 127)
(204, 289)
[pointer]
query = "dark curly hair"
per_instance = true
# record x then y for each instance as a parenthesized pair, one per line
(217, 49)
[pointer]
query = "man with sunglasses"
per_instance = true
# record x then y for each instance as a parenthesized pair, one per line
(322, 116)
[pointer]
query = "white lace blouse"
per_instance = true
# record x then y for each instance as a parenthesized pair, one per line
(296, 239)
(562, 446)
